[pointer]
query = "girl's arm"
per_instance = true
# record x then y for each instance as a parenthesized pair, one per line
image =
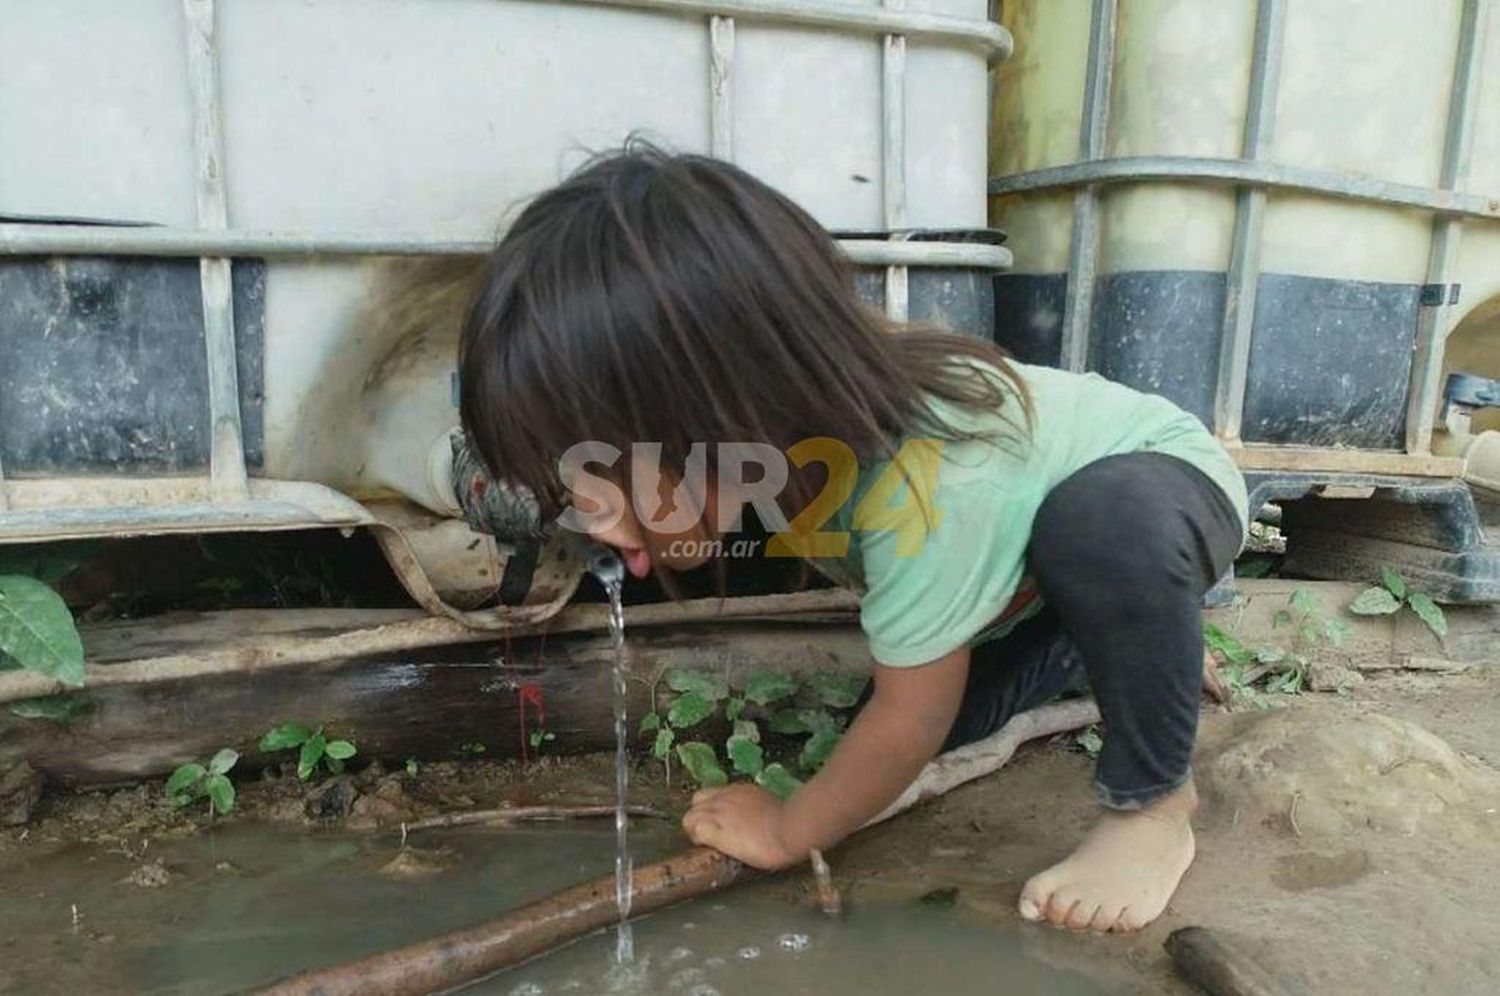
(897, 732)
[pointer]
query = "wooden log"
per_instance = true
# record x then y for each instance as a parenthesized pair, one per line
(426, 704)
(192, 645)
(1219, 967)
(452, 960)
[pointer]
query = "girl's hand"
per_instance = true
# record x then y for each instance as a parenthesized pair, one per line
(743, 821)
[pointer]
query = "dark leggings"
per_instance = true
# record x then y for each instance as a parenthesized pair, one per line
(1122, 553)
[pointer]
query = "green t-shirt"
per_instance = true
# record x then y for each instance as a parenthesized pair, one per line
(957, 576)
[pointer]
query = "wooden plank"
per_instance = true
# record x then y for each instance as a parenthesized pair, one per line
(1305, 459)
(425, 703)
(213, 644)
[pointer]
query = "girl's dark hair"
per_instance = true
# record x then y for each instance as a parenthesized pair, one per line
(677, 299)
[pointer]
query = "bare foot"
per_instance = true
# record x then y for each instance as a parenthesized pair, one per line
(1122, 875)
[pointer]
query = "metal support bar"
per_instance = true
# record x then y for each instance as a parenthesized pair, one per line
(4, 491)
(227, 446)
(893, 160)
(721, 87)
(1083, 245)
(1433, 322)
(1243, 275)
(56, 508)
(87, 240)
(1346, 186)
(980, 32)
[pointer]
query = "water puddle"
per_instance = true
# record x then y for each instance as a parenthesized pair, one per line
(754, 943)
(248, 904)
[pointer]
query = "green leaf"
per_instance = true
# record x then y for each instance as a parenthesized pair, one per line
(780, 782)
(340, 750)
(650, 723)
(284, 737)
(690, 709)
(1287, 682)
(184, 778)
(1229, 649)
(663, 745)
(746, 755)
(37, 630)
(1338, 631)
(789, 721)
(711, 686)
(221, 762)
(700, 761)
(1303, 601)
(310, 755)
(1281, 618)
(1270, 655)
(1429, 612)
(1374, 601)
(220, 792)
(335, 766)
(734, 706)
(769, 687)
(55, 707)
(816, 751)
(1090, 741)
(841, 691)
(1394, 582)
(819, 721)
(746, 728)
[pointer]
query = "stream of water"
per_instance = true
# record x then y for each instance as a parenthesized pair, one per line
(610, 573)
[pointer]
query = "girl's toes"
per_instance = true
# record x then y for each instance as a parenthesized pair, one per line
(1035, 896)
(1107, 919)
(1081, 916)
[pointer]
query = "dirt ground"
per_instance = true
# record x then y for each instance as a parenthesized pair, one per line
(1340, 846)
(1350, 842)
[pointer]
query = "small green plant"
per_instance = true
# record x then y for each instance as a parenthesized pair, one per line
(1391, 594)
(770, 712)
(539, 738)
(411, 767)
(312, 747)
(473, 748)
(192, 782)
(1284, 668)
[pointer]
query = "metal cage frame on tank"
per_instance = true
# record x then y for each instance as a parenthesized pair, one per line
(1260, 355)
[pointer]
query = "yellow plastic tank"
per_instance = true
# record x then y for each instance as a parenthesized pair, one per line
(1279, 213)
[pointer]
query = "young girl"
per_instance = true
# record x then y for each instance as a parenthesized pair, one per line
(1010, 528)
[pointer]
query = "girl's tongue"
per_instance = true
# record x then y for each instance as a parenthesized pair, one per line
(637, 562)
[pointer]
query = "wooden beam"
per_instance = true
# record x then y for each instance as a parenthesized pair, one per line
(1305, 459)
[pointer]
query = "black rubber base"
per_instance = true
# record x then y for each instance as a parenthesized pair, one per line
(1330, 360)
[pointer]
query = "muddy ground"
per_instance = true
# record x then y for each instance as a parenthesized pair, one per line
(1341, 846)
(1349, 841)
